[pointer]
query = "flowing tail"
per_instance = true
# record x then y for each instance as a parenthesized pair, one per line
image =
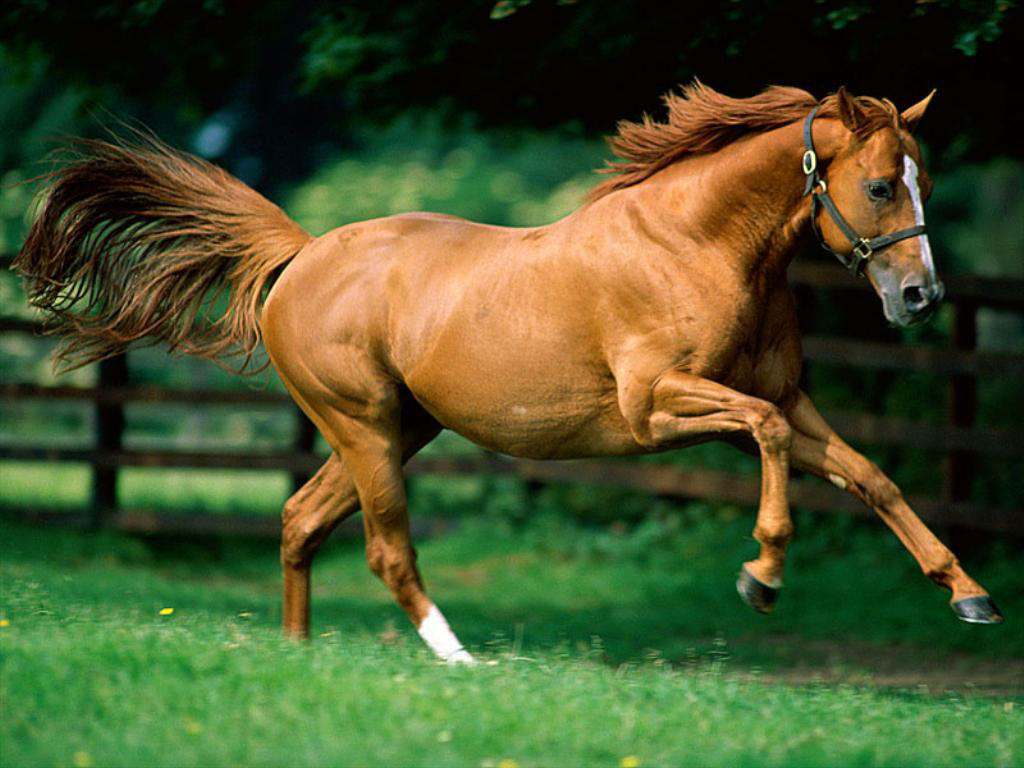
(139, 242)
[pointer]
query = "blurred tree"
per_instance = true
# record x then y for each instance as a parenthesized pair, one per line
(287, 76)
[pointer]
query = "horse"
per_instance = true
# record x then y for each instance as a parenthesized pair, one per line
(654, 317)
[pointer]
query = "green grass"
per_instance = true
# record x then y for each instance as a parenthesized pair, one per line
(247, 698)
(214, 491)
(597, 646)
(33, 483)
(69, 486)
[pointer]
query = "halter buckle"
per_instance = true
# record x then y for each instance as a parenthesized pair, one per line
(810, 162)
(863, 250)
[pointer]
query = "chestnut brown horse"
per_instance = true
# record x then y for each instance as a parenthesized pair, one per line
(656, 316)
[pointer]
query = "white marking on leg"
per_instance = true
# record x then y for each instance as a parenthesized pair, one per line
(910, 174)
(837, 481)
(438, 635)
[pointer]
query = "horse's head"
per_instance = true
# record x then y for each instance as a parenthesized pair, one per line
(878, 182)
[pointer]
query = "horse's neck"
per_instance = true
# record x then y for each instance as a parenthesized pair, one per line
(744, 203)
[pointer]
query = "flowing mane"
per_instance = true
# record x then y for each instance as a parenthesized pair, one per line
(702, 120)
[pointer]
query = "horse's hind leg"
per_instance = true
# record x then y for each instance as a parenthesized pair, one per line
(308, 518)
(313, 512)
(372, 456)
(383, 429)
(818, 449)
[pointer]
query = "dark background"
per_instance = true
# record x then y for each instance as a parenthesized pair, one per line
(292, 78)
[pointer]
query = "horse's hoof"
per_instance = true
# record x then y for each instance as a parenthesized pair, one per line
(759, 596)
(977, 610)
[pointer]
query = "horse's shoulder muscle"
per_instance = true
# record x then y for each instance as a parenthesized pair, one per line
(779, 357)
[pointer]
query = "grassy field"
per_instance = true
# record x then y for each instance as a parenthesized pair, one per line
(599, 648)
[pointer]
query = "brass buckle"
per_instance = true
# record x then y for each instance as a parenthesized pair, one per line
(862, 250)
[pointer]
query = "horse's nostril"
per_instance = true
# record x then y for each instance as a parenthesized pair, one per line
(914, 297)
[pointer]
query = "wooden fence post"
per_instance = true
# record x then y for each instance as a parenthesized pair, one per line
(113, 372)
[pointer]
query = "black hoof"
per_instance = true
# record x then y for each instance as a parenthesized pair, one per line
(977, 610)
(759, 596)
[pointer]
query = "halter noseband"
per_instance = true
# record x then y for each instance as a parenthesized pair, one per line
(863, 248)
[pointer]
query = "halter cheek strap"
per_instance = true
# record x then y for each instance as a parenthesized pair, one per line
(863, 248)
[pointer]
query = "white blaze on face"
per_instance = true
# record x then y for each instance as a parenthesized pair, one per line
(438, 635)
(910, 179)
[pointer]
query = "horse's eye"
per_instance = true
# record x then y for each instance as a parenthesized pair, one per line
(879, 190)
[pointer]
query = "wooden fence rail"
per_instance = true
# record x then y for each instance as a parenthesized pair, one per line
(959, 439)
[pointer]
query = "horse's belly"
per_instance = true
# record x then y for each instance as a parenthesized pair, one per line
(504, 411)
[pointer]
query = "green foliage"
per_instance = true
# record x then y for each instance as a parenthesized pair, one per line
(975, 214)
(31, 115)
(590, 656)
(289, 78)
(981, 22)
(505, 8)
(417, 165)
(339, 43)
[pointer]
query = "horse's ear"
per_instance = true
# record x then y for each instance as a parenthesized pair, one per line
(912, 115)
(850, 112)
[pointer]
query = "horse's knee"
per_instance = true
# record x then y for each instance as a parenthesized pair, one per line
(303, 532)
(296, 509)
(298, 547)
(291, 508)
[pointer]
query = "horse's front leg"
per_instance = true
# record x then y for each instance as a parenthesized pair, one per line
(818, 449)
(681, 407)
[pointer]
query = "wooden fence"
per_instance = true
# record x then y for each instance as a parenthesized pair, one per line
(959, 439)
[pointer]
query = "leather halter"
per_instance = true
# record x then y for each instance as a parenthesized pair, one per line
(863, 248)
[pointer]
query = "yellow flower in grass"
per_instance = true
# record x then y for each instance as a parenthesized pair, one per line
(193, 726)
(507, 763)
(4, 623)
(166, 611)
(629, 761)
(82, 759)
